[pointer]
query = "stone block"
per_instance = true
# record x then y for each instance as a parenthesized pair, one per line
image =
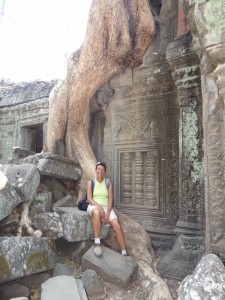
(62, 269)
(93, 285)
(77, 225)
(207, 281)
(9, 199)
(60, 287)
(34, 281)
(24, 178)
(50, 224)
(57, 188)
(42, 203)
(21, 256)
(82, 292)
(13, 291)
(67, 222)
(9, 225)
(54, 165)
(18, 153)
(64, 202)
(112, 266)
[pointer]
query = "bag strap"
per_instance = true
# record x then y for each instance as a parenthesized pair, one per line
(107, 183)
(92, 185)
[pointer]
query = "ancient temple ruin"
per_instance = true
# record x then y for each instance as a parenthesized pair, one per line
(161, 132)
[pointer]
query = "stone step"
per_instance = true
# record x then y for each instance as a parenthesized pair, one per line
(112, 266)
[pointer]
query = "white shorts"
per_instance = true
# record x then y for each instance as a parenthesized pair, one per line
(112, 215)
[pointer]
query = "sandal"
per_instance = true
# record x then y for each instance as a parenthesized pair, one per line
(98, 250)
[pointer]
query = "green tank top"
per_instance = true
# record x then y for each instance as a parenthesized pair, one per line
(100, 193)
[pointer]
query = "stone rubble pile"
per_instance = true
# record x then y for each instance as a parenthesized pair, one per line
(30, 262)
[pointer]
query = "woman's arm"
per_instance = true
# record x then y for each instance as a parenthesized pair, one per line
(90, 193)
(110, 201)
(90, 198)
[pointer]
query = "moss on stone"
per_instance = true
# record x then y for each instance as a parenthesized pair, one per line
(52, 246)
(192, 143)
(4, 268)
(37, 262)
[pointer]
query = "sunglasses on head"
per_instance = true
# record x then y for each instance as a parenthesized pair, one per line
(101, 164)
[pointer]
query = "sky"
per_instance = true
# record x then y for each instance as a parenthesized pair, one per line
(36, 37)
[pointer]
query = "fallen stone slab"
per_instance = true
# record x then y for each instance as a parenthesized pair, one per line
(14, 291)
(62, 269)
(57, 188)
(206, 282)
(67, 222)
(9, 200)
(54, 165)
(42, 203)
(60, 287)
(24, 178)
(21, 256)
(93, 285)
(64, 202)
(50, 224)
(112, 266)
(18, 153)
(77, 225)
(81, 289)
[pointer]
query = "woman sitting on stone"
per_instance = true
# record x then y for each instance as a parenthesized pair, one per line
(100, 209)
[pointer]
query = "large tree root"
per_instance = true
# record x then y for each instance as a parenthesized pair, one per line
(139, 247)
(118, 34)
(152, 283)
(25, 222)
(3, 180)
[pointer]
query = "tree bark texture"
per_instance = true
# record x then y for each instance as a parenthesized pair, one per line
(117, 36)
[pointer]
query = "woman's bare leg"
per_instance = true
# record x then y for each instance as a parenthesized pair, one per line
(96, 222)
(119, 233)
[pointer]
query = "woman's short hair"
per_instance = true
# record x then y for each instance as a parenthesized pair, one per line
(100, 164)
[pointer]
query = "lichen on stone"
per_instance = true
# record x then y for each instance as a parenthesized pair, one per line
(4, 268)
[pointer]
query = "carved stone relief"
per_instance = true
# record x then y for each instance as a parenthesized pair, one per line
(208, 27)
(141, 141)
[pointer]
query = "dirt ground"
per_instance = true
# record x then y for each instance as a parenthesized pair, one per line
(133, 291)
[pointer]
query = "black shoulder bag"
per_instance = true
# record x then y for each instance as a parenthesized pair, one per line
(83, 204)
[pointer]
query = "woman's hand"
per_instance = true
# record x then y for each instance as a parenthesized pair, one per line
(102, 212)
(106, 219)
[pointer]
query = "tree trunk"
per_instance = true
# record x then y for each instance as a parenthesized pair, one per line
(118, 34)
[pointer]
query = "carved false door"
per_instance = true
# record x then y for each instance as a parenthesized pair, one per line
(140, 164)
(141, 170)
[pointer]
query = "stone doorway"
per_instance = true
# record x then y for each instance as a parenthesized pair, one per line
(32, 137)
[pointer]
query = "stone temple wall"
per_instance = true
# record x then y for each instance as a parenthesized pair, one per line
(23, 116)
(207, 22)
(160, 132)
(141, 136)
